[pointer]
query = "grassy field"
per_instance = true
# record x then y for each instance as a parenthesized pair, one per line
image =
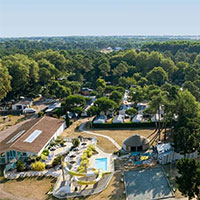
(120, 135)
(30, 188)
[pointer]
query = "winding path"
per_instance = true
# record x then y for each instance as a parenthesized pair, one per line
(81, 128)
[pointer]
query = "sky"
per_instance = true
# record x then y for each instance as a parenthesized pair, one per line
(27, 18)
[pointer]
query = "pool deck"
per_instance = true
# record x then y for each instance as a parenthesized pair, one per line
(101, 154)
(147, 184)
(64, 189)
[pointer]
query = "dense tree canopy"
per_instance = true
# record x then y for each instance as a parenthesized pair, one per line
(4, 81)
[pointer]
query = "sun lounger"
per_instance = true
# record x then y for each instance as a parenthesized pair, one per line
(21, 174)
(28, 174)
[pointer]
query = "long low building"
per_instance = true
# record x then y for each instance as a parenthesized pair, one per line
(31, 138)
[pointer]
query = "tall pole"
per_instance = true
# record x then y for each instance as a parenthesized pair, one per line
(63, 173)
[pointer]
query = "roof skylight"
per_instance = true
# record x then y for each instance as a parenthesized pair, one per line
(33, 136)
(15, 137)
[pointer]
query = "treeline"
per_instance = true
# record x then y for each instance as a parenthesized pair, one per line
(31, 45)
(177, 50)
(59, 73)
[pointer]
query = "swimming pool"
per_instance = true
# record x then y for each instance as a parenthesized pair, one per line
(101, 163)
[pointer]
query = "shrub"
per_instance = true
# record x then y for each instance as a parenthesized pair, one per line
(41, 113)
(92, 147)
(81, 169)
(38, 158)
(62, 143)
(84, 162)
(58, 140)
(84, 157)
(88, 152)
(33, 158)
(38, 166)
(59, 112)
(45, 152)
(75, 142)
(20, 166)
(43, 157)
(57, 161)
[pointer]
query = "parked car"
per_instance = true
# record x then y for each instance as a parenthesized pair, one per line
(29, 110)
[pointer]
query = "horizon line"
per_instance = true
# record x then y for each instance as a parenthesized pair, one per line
(126, 35)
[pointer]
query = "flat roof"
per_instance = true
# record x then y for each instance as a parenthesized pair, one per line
(23, 102)
(147, 184)
(37, 132)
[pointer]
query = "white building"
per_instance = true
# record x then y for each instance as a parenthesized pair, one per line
(141, 107)
(31, 138)
(166, 154)
(137, 118)
(118, 119)
(101, 119)
(23, 104)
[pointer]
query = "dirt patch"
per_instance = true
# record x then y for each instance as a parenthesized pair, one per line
(12, 120)
(30, 188)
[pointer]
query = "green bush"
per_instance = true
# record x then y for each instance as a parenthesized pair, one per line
(84, 157)
(20, 166)
(33, 158)
(75, 142)
(92, 147)
(81, 169)
(59, 112)
(43, 157)
(58, 140)
(41, 113)
(38, 158)
(45, 152)
(38, 166)
(57, 161)
(88, 152)
(84, 162)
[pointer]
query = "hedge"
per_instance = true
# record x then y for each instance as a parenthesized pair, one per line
(130, 125)
(125, 125)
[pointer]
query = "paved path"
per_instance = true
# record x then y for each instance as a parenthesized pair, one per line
(81, 128)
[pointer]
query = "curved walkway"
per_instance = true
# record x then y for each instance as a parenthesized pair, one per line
(81, 128)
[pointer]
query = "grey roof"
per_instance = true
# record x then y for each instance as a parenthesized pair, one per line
(136, 140)
(24, 102)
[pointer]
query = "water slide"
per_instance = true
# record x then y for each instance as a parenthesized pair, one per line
(100, 174)
(91, 172)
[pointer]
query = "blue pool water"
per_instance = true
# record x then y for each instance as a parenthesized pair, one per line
(101, 163)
